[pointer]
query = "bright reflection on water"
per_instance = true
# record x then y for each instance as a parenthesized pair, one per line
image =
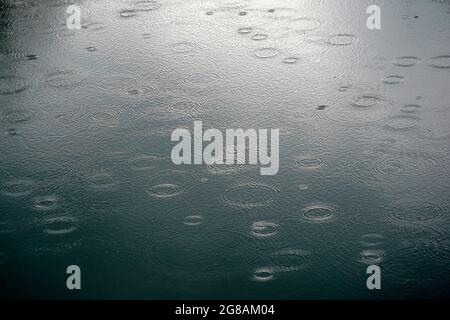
(86, 176)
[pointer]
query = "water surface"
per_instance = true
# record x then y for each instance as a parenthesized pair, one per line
(86, 176)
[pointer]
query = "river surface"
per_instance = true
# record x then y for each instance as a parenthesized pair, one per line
(86, 176)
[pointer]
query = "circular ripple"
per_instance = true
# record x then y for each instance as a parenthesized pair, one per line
(146, 5)
(366, 101)
(139, 91)
(371, 240)
(60, 225)
(201, 78)
(291, 60)
(245, 30)
(102, 180)
(263, 229)
(12, 85)
(406, 164)
(66, 79)
(290, 259)
(170, 184)
(17, 188)
(116, 83)
(318, 213)
(210, 215)
(249, 195)
(440, 62)
(304, 24)
(185, 106)
(415, 212)
(406, 61)
(168, 107)
(182, 47)
(193, 220)
(363, 172)
(411, 108)
(371, 256)
(401, 123)
(128, 13)
(259, 37)
(265, 53)
(344, 88)
(98, 116)
(308, 162)
(105, 116)
(264, 274)
(164, 190)
(341, 39)
(46, 203)
(363, 109)
(393, 79)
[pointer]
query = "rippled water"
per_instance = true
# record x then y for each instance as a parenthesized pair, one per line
(86, 176)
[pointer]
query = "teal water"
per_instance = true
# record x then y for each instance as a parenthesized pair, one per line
(86, 176)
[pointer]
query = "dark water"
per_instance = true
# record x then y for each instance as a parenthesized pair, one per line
(86, 176)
